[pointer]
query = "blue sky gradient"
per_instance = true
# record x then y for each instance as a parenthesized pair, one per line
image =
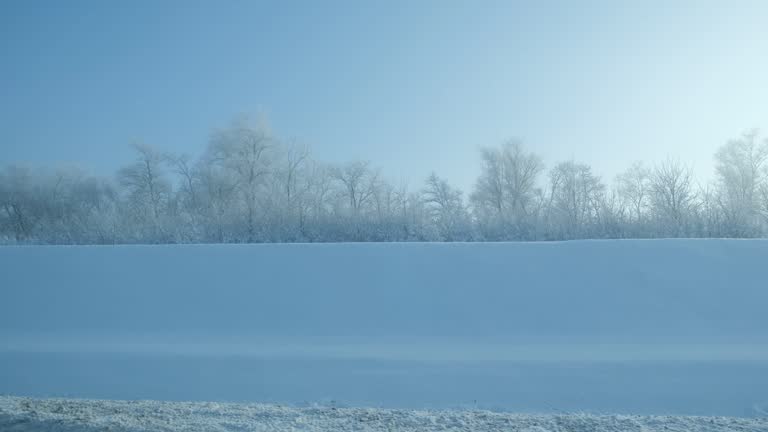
(413, 86)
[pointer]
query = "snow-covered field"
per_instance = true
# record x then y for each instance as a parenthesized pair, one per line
(639, 327)
(73, 415)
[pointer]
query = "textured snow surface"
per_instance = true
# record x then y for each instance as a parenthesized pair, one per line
(65, 415)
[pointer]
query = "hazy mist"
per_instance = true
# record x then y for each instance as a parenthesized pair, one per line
(383, 215)
(413, 87)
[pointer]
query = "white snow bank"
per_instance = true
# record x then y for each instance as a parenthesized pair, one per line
(70, 415)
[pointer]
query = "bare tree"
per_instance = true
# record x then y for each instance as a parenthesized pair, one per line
(709, 213)
(19, 206)
(672, 198)
(218, 201)
(295, 159)
(250, 186)
(182, 167)
(358, 183)
(446, 208)
(634, 187)
(147, 187)
(764, 202)
(740, 168)
(243, 149)
(575, 198)
(506, 191)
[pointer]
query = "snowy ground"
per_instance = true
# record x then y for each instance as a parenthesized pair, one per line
(636, 327)
(70, 415)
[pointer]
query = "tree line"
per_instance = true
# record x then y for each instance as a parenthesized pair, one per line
(250, 186)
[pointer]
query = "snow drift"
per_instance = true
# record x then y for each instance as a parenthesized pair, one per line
(62, 415)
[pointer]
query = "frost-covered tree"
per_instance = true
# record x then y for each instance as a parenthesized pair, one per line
(19, 202)
(741, 175)
(148, 192)
(288, 195)
(673, 198)
(446, 209)
(764, 203)
(64, 206)
(575, 199)
(357, 183)
(244, 152)
(218, 200)
(250, 186)
(505, 196)
(634, 188)
(709, 216)
(187, 199)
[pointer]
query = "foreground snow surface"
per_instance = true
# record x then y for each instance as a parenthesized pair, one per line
(64, 415)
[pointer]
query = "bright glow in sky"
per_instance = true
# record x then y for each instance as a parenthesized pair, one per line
(413, 86)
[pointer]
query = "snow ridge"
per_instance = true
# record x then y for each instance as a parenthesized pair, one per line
(20, 414)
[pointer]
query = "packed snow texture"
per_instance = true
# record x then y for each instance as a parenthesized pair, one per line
(652, 327)
(70, 415)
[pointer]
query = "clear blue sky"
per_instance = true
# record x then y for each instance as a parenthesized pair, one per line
(413, 86)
